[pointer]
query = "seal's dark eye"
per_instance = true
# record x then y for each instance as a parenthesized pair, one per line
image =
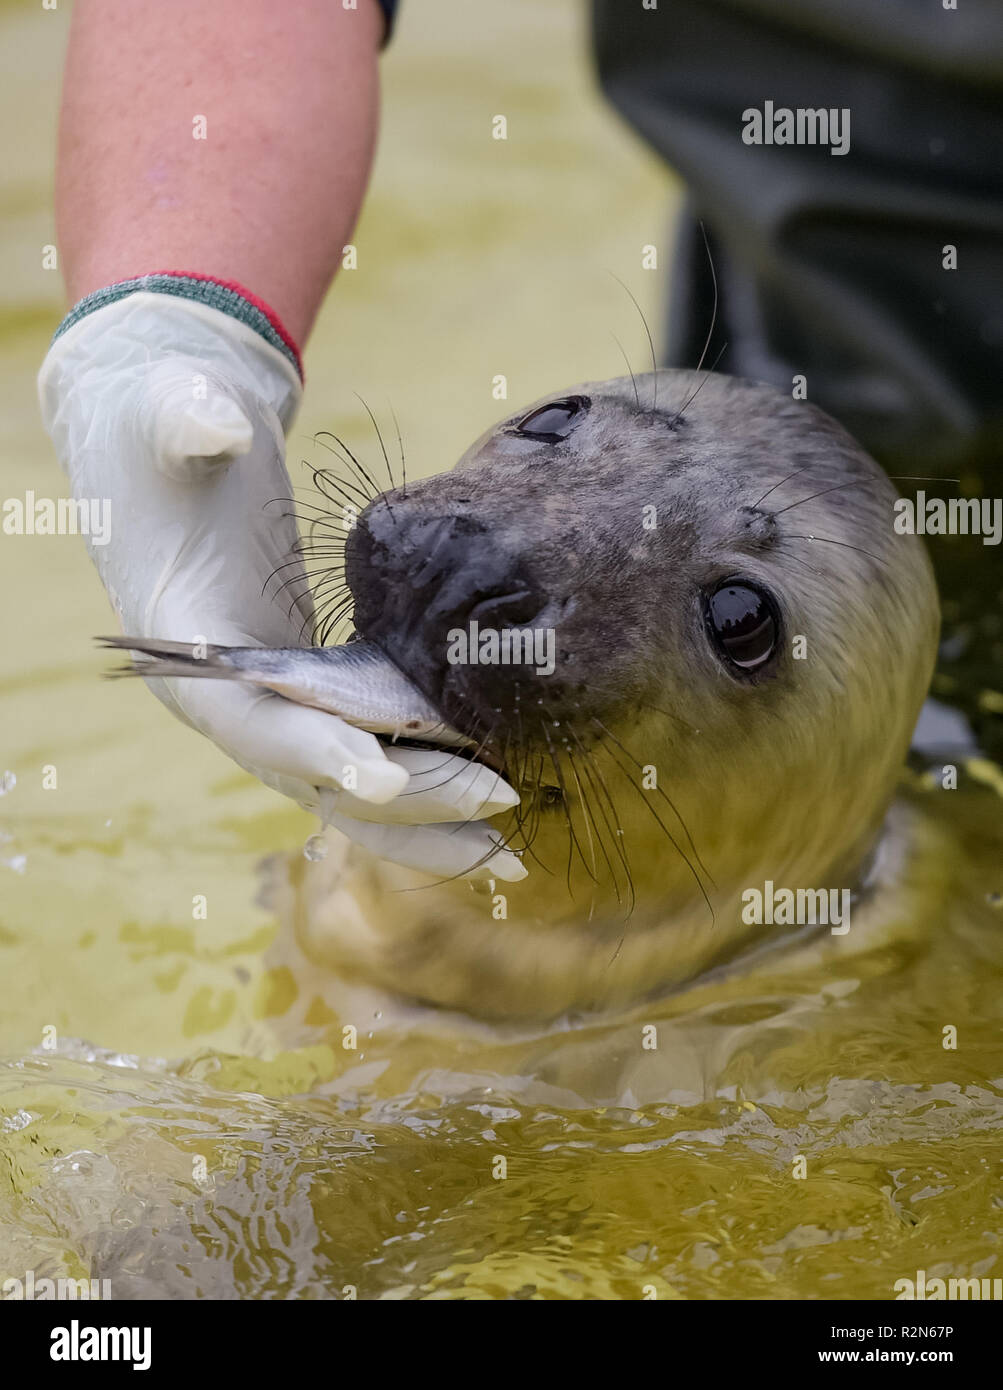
(743, 623)
(552, 422)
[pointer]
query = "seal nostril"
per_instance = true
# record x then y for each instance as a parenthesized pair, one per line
(438, 547)
(418, 578)
(509, 608)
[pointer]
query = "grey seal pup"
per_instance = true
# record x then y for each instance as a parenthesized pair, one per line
(718, 646)
(743, 643)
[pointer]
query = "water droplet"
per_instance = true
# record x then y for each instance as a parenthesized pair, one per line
(7, 783)
(315, 849)
(994, 899)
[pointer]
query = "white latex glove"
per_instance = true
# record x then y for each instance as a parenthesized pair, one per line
(175, 413)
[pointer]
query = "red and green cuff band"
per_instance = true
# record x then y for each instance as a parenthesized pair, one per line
(225, 295)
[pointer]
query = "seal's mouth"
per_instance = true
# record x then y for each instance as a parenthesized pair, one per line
(430, 585)
(444, 739)
(428, 743)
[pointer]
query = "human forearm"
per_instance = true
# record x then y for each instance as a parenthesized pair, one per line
(270, 196)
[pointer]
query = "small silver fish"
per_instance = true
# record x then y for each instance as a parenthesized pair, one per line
(356, 682)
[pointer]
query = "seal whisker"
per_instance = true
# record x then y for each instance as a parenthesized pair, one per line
(308, 550)
(566, 802)
(379, 436)
(334, 619)
(376, 491)
(314, 553)
(534, 820)
(330, 622)
(710, 333)
(474, 755)
(588, 821)
(699, 387)
(400, 445)
(626, 363)
(334, 589)
(593, 772)
(302, 572)
(591, 768)
(346, 488)
(593, 870)
(519, 777)
(569, 813)
(803, 563)
(675, 844)
(796, 474)
(614, 835)
(305, 549)
(335, 609)
(604, 797)
(321, 525)
(323, 513)
(667, 714)
(668, 801)
(651, 343)
(308, 624)
(866, 482)
(312, 543)
(334, 560)
(713, 312)
(288, 564)
(488, 854)
(571, 831)
(510, 758)
(297, 599)
(855, 482)
(296, 578)
(294, 502)
(348, 463)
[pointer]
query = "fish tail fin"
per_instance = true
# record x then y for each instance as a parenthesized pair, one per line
(159, 658)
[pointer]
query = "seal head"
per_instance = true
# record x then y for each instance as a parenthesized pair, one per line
(741, 643)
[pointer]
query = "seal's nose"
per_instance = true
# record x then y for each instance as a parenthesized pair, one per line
(418, 576)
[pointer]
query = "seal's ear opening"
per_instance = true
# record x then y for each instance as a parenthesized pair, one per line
(743, 621)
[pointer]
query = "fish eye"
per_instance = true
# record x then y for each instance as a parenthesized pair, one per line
(743, 622)
(552, 422)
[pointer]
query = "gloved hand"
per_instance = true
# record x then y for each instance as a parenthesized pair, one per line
(175, 413)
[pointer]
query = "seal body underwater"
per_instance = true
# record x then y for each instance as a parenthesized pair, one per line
(741, 645)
